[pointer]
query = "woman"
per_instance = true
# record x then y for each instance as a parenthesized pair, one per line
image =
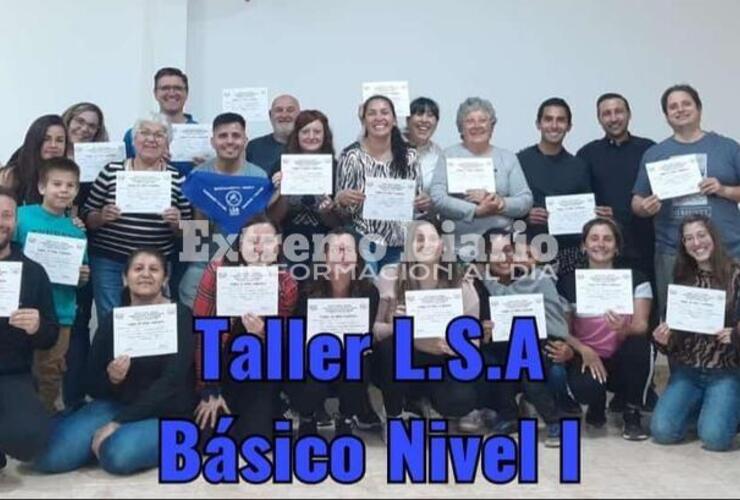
(381, 152)
(704, 386)
(420, 127)
(115, 234)
(613, 351)
(46, 138)
(120, 427)
(256, 402)
(478, 210)
(85, 123)
(423, 270)
(340, 280)
(307, 215)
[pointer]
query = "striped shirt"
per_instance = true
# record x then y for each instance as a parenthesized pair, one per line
(116, 240)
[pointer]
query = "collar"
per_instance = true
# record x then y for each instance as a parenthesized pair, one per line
(616, 144)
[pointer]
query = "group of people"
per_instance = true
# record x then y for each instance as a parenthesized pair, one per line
(66, 401)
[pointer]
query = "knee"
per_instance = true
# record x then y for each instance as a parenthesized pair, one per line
(664, 431)
(119, 458)
(585, 388)
(716, 437)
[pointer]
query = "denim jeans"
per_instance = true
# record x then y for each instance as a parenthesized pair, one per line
(107, 280)
(133, 447)
(711, 398)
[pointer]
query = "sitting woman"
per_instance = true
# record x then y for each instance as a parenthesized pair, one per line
(613, 350)
(342, 280)
(704, 386)
(256, 402)
(120, 427)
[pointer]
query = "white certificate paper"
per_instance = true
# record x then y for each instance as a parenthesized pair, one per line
(143, 192)
(389, 199)
(10, 287)
(247, 289)
(190, 140)
(693, 309)
(567, 214)
(250, 102)
(433, 310)
(601, 290)
(505, 308)
(674, 177)
(464, 174)
(91, 157)
(140, 331)
(397, 92)
(306, 174)
(60, 256)
(337, 316)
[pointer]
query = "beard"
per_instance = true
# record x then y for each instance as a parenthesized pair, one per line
(283, 129)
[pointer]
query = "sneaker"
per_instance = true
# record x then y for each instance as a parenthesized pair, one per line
(633, 430)
(368, 421)
(322, 418)
(343, 426)
(553, 436)
(617, 404)
(405, 416)
(307, 427)
(526, 409)
(596, 418)
(471, 423)
(502, 426)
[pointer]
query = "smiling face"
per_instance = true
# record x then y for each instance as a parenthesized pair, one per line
(501, 256)
(260, 244)
(59, 190)
(477, 129)
(614, 117)
(171, 94)
(341, 255)
(283, 112)
(229, 141)
(7, 221)
(55, 143)
(145, 278)
(682, 111)
(600, 245)
(379, 119)
(83, 127)
(150, 141)
(698, 242)
(427, 244)
(311, 137)
(553, 125)
(421, 127)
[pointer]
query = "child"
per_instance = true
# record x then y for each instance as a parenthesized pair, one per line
(59, 182)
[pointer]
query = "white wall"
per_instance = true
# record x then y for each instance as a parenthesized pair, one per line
(514, 52)
(53, 54)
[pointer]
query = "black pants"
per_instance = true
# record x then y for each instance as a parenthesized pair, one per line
(24, 423)
(448, 397)
(629, 373)
(79, 347)
(501, 396)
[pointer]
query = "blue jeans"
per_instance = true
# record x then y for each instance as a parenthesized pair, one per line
(107, 280)
(711, 398)
(133, 447)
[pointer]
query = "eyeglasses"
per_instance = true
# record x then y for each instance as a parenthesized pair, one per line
(172, 88)
(149, 134)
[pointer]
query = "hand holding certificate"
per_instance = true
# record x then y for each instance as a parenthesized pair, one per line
(140, 331)
(143, 192)
(693, 309)
(397, 92)
(602, 290)
(306, 174)
(389, 199)
(91, 157)
(10, 287)
(247, 289)
(675, 177)
(568, 214)
(504, 308)
(60, 256)
(465, 174)
(250, 102)
(338, 316)
(190, 140)
(433, 310)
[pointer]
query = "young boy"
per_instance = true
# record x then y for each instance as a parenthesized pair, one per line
(59, 182)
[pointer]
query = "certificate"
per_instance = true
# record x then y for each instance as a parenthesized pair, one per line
(337, 316)
(60, 256)
(674, 177)
(397, 92)
(568, 214)
(601, 290)
(250, 102)
(143, 192)
(699, 310)
(507, 307)
(464, 174)
(140, 331)
(91, 157)
(306, 174)
(247, 289)
(10, 287)
(190, 140)
(433, 310)
(389, 199)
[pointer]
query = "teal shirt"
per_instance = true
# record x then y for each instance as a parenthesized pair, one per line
(36, 219)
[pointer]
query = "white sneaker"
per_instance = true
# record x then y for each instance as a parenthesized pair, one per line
(471, 423)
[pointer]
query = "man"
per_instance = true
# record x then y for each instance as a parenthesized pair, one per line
(718, 156)
(551, 170)
(228, 141)
(24, 423)
(613, 162)
(171, 92)
(265, 151)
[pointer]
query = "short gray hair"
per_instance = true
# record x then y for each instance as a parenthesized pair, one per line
(474, 104)
(156, 118)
